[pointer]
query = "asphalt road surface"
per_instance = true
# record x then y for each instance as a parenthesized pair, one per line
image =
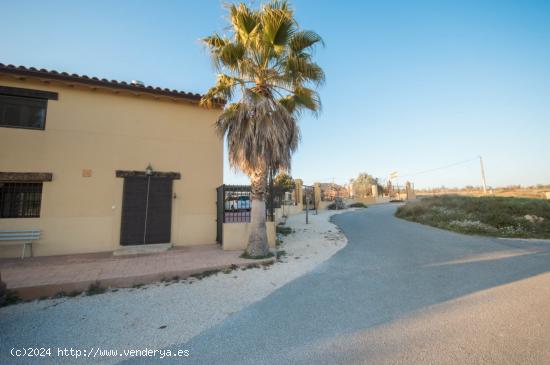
(398, 293)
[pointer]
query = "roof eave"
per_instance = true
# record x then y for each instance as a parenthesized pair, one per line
(65, 77)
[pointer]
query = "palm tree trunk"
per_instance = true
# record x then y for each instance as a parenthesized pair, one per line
(257, 241)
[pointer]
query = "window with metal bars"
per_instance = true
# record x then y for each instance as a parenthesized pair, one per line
(20, 200)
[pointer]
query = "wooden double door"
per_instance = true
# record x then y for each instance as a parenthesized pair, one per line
(146, 210)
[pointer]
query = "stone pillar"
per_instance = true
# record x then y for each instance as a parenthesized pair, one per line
(410, 191)
(317, 194)
(298, 191)
(374, 191)
(547, 194)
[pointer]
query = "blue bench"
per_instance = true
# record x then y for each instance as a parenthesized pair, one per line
(26, 236)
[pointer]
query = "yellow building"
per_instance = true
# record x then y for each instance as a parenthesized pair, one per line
(98, 164)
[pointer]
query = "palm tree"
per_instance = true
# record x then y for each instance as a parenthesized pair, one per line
(268, 78)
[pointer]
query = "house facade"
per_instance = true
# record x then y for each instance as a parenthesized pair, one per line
(97, 165)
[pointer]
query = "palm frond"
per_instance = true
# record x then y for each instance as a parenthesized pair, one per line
(244, 21)
(260, 133)
(301, 70)
(304, 40)
(278, 28)
(231, 54)
(223, 90)
(305, 98)
(266, 65)
(215, 41)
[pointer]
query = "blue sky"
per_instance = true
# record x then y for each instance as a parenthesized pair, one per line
(411, 85)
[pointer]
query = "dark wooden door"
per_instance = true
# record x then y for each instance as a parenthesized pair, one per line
(146, 210)
(159, 211)
(134, 206)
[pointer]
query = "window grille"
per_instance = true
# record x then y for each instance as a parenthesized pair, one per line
(20, 200)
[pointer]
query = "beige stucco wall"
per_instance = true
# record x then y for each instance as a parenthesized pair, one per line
(322, 205)
(287, 210)
(235, 235)
(369, 200)
(106, 131)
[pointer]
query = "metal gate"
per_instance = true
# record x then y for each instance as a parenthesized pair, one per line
(219, 213)
(308, 198)
(234, 204)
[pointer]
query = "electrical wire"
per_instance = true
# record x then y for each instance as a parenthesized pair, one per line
(332, 179)
(440, 168)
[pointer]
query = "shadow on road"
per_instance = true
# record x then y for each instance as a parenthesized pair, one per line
(390, 268)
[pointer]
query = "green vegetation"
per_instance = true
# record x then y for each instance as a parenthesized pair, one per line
(362, 185)
(245, 255)
(10, 297)
(284, 182)
(358, 205)
(204, 274)
(285, 231)
(337, 205)
(491, 216)
(94, 289)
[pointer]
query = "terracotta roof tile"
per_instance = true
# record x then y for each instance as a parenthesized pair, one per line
(95, 81)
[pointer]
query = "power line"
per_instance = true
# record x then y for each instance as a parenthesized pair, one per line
(477, 158)
(441, 167)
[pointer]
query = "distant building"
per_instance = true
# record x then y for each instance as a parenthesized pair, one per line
(330, 191)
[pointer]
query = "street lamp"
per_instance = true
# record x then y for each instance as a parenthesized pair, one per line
(149, 170)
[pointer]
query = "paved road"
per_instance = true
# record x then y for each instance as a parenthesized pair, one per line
(399, 293)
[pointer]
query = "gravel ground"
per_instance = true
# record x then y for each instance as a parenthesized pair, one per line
(164, 314)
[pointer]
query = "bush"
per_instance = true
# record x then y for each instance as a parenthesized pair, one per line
(338, 204)
(245, 255)
(10, 297)
(285, 231)
(495, 216)
(357, 205)
(95, 289)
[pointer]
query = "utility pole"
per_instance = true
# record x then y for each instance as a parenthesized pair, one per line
(483, 175)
